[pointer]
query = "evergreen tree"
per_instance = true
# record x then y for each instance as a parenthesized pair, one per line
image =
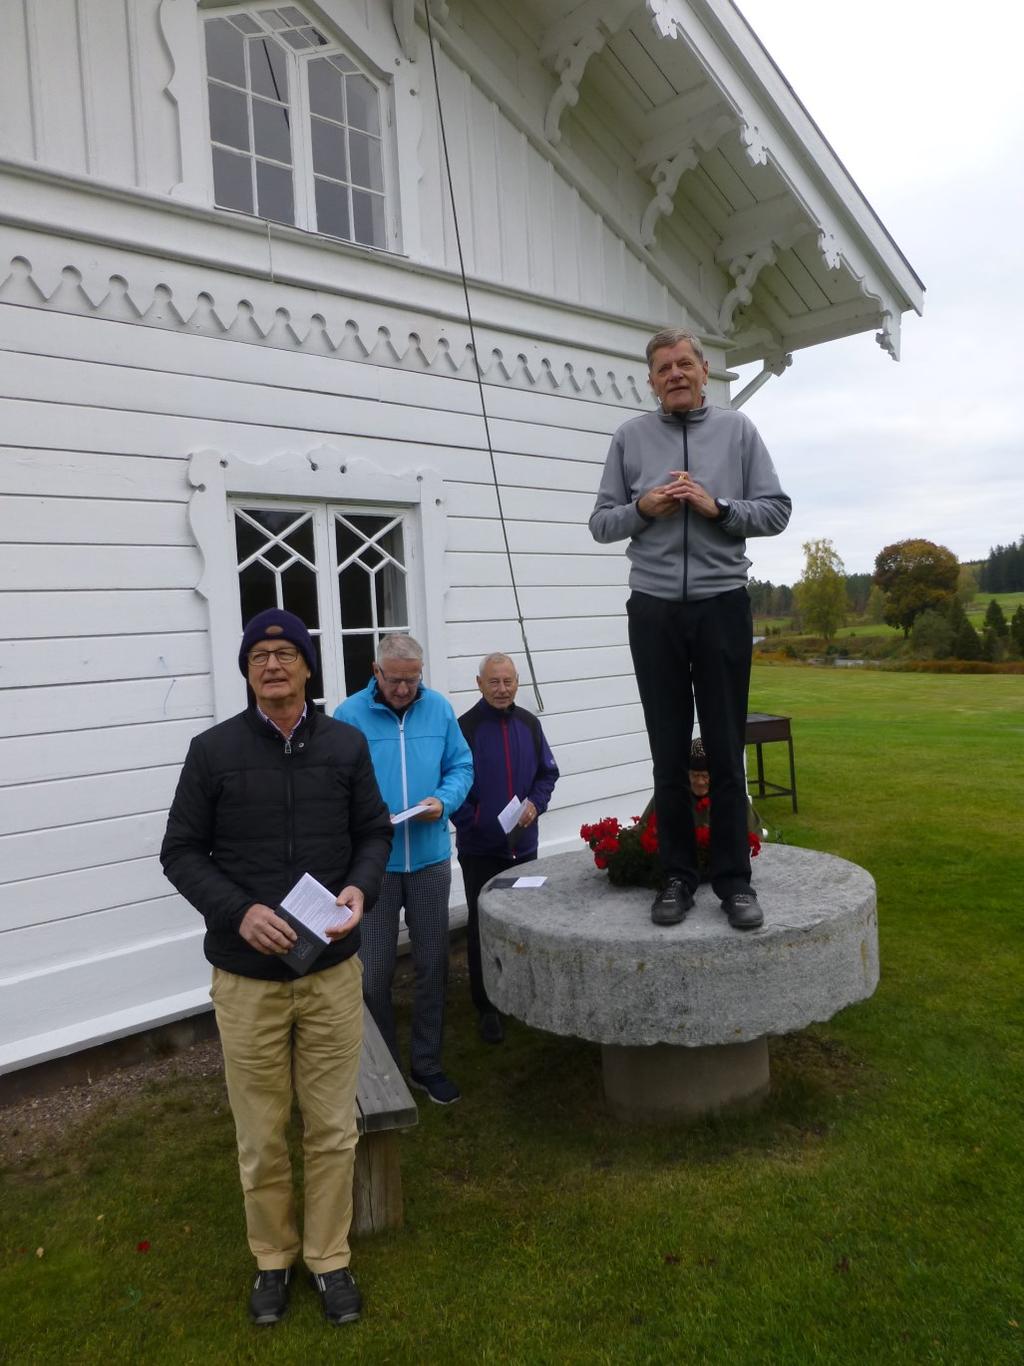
(966, 644)
(994, 619)
(1017, 628)
(932, 635)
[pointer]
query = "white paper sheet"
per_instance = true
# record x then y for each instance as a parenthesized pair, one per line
(529, 882)
(508, 819)
(401, 816)
(311, 902)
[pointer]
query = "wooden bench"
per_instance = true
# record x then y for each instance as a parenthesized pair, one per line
(384, 1105)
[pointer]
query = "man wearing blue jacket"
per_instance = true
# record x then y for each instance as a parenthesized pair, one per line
(511, 758)
(419, 758)
(686, 486)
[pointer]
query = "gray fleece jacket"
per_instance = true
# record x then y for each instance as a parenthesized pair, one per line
(689, 556)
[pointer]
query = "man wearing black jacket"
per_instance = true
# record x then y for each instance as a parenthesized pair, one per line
(271, 794)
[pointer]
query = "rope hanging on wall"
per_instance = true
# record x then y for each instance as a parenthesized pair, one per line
(476, 360)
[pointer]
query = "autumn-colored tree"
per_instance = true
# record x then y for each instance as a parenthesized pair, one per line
(915, 575)
(820, 595)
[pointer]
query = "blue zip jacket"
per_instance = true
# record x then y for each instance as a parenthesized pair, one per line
(419, 754)
(511, 757)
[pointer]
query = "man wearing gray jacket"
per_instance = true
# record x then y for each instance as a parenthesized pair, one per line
(687, 485)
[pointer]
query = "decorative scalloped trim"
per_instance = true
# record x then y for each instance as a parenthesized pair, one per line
(446, 351)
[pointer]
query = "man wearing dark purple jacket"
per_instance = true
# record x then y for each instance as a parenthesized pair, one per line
(511, 758)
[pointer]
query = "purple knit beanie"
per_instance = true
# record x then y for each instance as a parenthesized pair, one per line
(276, 624)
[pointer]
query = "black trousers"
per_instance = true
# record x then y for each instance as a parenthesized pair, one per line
(696, 650)
(476, 870)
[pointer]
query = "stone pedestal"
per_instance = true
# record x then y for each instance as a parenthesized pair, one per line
(683, 1012)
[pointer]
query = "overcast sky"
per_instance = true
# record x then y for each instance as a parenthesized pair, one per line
(922, 101)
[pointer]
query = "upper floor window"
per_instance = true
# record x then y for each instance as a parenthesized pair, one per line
(297, 127)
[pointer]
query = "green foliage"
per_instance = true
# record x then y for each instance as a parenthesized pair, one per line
(967, 584)
(994, 619)
(966, 643)
(1003, 571)
(915, 575)
(932, 635)
(874, 610)
(820, 596)
(1017, 628)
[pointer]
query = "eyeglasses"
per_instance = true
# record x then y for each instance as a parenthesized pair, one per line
(413, 682)
(286, 655)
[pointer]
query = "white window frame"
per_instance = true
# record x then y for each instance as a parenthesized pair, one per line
(303, 185)
(222, 480)
(370, 39)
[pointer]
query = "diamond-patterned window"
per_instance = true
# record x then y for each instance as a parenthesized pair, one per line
(343, 571)
(297, 128)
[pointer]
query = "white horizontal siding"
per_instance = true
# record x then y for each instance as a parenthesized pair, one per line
(78, 753)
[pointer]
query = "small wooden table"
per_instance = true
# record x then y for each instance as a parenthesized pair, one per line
(764, 729)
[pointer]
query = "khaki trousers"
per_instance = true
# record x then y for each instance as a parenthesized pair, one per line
(302, 1036)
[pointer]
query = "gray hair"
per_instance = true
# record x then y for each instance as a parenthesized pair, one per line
(496, 658)
(399, 647)
(672, 336)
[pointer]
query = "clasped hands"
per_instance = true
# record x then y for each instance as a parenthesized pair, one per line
(665, 499)
(265, 931)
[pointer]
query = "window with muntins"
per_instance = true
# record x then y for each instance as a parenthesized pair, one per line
(343, 571)
(296, 126)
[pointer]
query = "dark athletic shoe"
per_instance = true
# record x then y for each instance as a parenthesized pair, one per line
(743, 911)
(671, 903)
(437, 1086)
(268, 1302)
(339, 1295)
(491, 1028)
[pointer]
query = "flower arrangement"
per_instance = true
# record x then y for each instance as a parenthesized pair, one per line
(630, 853)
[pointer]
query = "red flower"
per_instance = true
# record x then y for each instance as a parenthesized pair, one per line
(703, 833)
(600, 861)
(143, 1246)
(755, 844)
(704, 804)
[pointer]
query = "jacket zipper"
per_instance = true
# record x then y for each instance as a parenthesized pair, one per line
(508, 757)
(686, 516)
(405, 789)
(289, 804)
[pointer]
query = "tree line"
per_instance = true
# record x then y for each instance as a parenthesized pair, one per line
(917, 586)
(1003, 571)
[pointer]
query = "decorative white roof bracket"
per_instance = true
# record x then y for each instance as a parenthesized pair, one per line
(665, 179)
(773, 365)
(568, 46)
(744, 270)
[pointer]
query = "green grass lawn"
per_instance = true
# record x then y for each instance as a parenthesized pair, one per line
(871, 1212)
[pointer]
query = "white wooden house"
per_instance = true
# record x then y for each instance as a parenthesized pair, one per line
(237, 368)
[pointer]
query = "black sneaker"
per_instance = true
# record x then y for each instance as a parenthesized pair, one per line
(491, 1028)
(339, 1295)
(268, 1302)
(437, 1086)
(671, 903)
(743, 911)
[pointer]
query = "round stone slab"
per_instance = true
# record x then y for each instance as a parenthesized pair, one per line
(582, 958)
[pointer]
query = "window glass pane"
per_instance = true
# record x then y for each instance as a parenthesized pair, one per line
(275, 17)
(356, 586)
(271, 132)
(257, 587)
(225, 52)
(268, 66)
(368, 216)
(325, 90)
(358, 652)
(340, 61)
(332, 209)
(299, 592)
(390, 589)
(274, 190)
(232, 181)
(363, 104)
(293, 15)
(299, 38)
(329, 149)
(364, 155)
(245, 23)
(229, 116)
